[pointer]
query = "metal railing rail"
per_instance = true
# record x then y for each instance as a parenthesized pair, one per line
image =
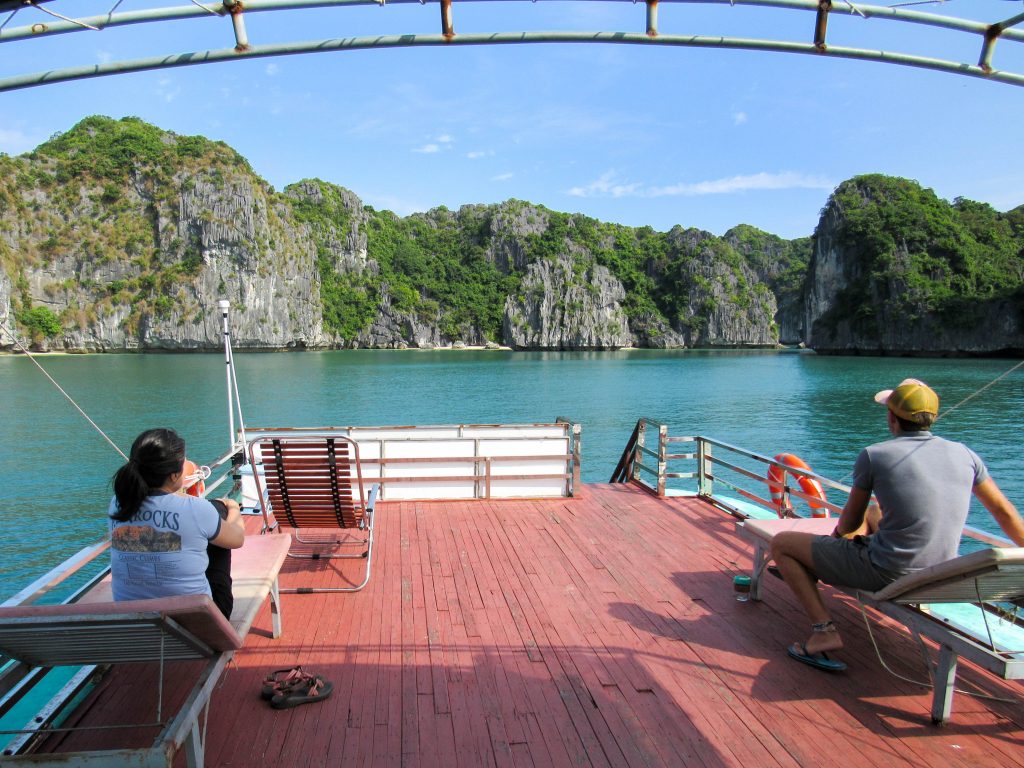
(815, 42)
(650, 469)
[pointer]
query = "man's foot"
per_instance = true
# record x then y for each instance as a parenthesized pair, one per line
(817, 660)
(825, 637)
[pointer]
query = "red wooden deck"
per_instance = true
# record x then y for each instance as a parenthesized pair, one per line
(600, 630)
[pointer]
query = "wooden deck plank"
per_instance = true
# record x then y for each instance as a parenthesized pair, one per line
(600, 630)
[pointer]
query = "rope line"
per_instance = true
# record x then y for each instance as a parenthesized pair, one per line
(69, 398)
(979, 391)
(927, 661)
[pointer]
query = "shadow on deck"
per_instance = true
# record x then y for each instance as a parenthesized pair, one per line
(599, 630)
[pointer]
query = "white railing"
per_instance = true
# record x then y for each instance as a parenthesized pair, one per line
(458, 461)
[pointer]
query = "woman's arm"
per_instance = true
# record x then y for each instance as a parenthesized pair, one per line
(232, 530)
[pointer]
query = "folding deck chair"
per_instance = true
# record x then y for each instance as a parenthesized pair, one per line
(988, 576)
(316, 483)
(98, 631)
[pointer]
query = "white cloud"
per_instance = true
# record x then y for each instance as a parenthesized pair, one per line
(104, 57)
(739, 118)
(14, 141)
(732, 184)
(502, 177)
(608, 186)
(427, 149)
(445, 139)
(478, 153)
(272, 69)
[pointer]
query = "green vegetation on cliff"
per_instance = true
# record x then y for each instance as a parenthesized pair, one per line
(117, 218)
(105, 149)
(919, 255)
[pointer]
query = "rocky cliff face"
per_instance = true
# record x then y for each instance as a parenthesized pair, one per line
(723, 302)
(924, 289)
(560, 308)
(140, 263)
(120, 236)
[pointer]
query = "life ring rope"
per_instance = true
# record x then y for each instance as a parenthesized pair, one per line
(195, 478)
(811, 487)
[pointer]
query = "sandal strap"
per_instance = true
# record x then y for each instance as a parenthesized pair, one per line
(825, 626)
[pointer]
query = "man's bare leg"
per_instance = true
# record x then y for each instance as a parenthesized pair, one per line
(792, 553)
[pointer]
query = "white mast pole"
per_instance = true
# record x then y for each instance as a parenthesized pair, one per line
(224, 305)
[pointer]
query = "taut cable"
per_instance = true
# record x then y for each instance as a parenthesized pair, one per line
(61, 390)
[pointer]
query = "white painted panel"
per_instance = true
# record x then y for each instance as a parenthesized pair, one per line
(538, 431)
(511, 467)
(359, 434)
(430, 469)
(400, 449)
(419, 491)
(527, 488)
(547, 447)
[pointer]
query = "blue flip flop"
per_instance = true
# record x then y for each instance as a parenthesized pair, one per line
(820, 661)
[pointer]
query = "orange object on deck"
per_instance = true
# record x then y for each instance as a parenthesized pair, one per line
(195, 480)
(810, 486)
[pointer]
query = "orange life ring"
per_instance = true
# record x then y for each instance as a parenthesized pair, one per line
(810, 486)
(195, 480)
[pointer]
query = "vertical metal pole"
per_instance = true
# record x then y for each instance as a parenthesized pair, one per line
(662, 463)
(705, 485)
(447, 29)
(224, 305)
(238, 402)
(577, 454)
(652, 18)
(821, 23)
(638, 453)
(235, 8)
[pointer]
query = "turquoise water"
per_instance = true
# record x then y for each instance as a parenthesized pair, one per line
(55, 469)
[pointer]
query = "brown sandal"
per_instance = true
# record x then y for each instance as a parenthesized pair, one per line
(280, 680)
(311, 688)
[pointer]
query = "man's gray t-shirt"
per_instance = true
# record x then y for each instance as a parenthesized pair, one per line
(923, 484)
(161, 551)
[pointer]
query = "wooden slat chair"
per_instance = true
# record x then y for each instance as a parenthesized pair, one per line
(316, 483)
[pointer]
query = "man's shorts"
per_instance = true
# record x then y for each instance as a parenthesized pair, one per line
(845, 563)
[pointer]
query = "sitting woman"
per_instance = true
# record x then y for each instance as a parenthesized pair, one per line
(159, 537)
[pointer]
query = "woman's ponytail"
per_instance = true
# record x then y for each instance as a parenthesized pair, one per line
(156, 455)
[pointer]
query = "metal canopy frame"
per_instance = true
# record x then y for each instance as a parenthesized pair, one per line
(47, 20)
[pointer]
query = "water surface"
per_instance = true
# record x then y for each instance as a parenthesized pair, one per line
(55, 468)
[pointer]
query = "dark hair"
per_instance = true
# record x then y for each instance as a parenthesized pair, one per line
(923, 425)
(156, 455)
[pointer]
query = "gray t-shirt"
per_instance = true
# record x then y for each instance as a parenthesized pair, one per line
(923, 484)
(161, 551)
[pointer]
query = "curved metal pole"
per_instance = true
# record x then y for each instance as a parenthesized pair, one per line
(500, 38)
(190, 11)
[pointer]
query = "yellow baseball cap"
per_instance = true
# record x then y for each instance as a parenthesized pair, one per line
(911, 400)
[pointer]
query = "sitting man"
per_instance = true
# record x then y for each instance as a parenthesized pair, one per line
(923, 484)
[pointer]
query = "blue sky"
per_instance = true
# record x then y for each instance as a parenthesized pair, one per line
(637, 135)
